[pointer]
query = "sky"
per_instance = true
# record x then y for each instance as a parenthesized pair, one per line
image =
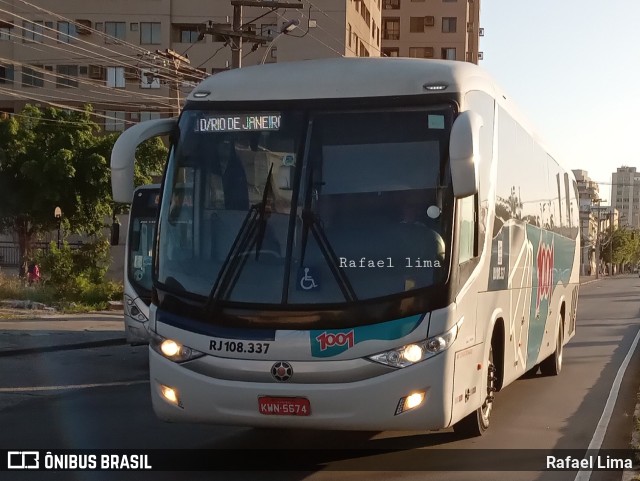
(573, 69)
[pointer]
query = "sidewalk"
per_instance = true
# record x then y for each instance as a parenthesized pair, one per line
(24, 331)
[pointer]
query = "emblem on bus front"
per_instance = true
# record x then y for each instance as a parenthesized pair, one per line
(281, 371)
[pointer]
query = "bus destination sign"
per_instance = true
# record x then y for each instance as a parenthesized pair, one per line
(239, 123)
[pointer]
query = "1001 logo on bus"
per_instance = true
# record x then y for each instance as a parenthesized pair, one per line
(544, 261)
(330, 339)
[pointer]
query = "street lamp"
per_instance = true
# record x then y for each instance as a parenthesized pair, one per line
(286, 29)
(57, 213)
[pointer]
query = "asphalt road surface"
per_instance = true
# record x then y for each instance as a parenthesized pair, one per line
(74, 384)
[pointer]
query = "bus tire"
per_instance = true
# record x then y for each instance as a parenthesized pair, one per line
(476, 423)
(552, 365)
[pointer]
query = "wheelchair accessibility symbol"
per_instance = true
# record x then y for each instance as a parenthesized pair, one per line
(307, 279)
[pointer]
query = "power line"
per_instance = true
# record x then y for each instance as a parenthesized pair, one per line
(93, 53)
(61, 106)
(160, 100)
(106, 36)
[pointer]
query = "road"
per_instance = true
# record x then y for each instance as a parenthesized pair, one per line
(92, 392)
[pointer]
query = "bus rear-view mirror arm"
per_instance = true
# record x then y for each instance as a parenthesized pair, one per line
(464, 153)
(124, 151)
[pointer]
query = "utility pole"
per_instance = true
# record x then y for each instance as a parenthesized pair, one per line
(182, 70)
(237, 35)
(597, 238)
(611, 241)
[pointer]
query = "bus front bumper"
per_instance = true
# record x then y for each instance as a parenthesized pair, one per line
(369, 404)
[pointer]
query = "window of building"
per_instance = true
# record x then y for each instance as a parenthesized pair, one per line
(66, 32)
(32, 77)
(32, 31)
(6, 74)
(144, 116)
(390, 52)
(114, 121)
(363, 50)
(391, 29)
(65, 76)
(115, 77)
(421, 52)
(5, 32)
(349, 34)
(449, 53)
(449, 24)
(269, 30)
(189, 34)
(150, 33)
(390, 4)
(416, 24)
(116, 30)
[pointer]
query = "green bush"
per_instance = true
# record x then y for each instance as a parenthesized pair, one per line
(77, 276)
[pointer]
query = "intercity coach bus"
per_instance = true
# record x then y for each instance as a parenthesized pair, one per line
(354, 244)
(138, 262)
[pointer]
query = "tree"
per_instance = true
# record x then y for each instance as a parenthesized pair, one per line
(51, 157)
(623, 245)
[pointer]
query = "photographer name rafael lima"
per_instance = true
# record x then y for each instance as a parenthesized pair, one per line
(387, 263)
(589, 462)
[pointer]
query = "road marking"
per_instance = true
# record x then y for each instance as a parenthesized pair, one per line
(601, 428)
(69, 386)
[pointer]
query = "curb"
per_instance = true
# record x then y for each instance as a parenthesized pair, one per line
(119, 341)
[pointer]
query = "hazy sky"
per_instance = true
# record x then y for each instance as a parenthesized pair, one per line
(573, 68)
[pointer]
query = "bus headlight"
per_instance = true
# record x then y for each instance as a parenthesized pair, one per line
(132, 310)
(413, 353)
(173, 350)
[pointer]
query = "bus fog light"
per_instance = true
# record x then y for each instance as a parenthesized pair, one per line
(170, 395)
(411, 401)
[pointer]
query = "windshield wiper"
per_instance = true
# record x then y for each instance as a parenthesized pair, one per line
(264, 210)
(310, 222)
(251, 231)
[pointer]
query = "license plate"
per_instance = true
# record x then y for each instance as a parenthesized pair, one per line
(284, 406)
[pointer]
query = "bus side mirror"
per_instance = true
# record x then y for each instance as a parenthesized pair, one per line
(124, 151)
(464, 154)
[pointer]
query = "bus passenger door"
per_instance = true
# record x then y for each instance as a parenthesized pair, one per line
(519, 285)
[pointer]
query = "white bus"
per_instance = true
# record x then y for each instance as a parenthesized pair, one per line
(354, 244)
(138, 262)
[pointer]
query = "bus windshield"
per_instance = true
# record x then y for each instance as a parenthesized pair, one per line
(142, 229)
(306, 208)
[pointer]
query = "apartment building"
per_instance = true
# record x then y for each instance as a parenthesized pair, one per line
(443, 29)
(588, 196)
(625, 195)
(128, 58)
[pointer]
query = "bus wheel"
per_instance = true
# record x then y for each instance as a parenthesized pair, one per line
(476, 423)
(552, 365)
